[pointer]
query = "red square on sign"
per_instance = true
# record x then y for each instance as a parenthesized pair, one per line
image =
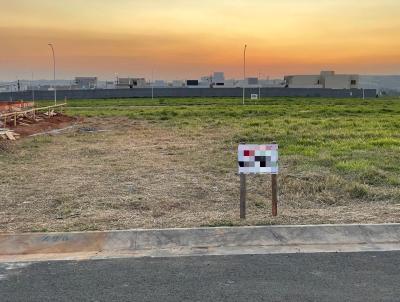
(246, 153)
(252, 153)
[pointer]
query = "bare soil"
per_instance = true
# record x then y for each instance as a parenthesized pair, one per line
(136, 174)
(55, 122)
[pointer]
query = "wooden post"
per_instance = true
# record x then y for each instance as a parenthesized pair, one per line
(48, 112)
(274, 185)
(15, 120)
(242, 196)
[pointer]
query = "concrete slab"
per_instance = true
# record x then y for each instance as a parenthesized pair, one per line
(199, 241)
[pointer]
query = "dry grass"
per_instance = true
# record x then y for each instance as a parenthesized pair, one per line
(142, 175)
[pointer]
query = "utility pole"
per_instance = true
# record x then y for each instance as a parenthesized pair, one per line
(244, 69)
(54, 73)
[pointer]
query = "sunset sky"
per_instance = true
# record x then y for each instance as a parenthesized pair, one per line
(186, 39)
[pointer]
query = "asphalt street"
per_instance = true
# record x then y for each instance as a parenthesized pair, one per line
(289, 277)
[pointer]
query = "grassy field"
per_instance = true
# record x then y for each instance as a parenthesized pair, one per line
(172, 163)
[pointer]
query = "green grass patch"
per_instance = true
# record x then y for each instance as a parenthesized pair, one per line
(355, 139)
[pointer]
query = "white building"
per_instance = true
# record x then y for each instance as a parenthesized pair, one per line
(273, 83)
(218, 79)
(230, 83)
(248, 82)
(85, 82)
(130, 82)
(178, 83)
(160, 83)
(205, 81)
(326, 79)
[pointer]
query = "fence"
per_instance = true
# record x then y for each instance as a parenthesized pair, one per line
(188, 92)
(14, 115)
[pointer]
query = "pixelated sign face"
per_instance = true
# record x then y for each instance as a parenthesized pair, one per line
(258, 159)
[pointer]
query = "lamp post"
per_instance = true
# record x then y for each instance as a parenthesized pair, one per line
(152, 84)
(54, 73)
(244, 69)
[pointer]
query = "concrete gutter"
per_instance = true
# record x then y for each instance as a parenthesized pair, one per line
(199, 241)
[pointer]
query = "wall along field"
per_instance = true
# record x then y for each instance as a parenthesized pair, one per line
(173, 163)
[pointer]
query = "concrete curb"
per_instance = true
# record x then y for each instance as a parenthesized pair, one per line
(225, 240)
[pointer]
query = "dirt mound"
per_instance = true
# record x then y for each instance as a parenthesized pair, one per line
(55, 122)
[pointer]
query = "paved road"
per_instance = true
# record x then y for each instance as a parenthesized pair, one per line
(300, 277)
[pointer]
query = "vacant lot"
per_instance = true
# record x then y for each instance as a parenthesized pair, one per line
(172, 163)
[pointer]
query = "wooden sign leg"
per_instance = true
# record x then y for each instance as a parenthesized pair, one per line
(242, 196)
(274, 181)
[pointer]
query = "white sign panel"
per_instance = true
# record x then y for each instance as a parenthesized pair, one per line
(258, 159)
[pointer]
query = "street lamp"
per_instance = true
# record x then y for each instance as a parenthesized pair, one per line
(152, 84)
(244, 68)
(54, 74)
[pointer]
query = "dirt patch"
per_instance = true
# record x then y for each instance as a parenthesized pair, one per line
(48, 124)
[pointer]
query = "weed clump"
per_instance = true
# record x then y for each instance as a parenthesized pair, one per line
(357, 191)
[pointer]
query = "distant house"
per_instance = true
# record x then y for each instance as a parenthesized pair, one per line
(218, 79)
(192, 83)
(85, 82)
(159, 83)
(178, 83)
(248, 82)
(326, 79)
(252, 81)
(130, 82)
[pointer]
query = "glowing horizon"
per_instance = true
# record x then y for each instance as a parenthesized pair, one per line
(187, 39)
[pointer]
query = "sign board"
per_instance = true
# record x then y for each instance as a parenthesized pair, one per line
(258, 159)
(254, 96)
